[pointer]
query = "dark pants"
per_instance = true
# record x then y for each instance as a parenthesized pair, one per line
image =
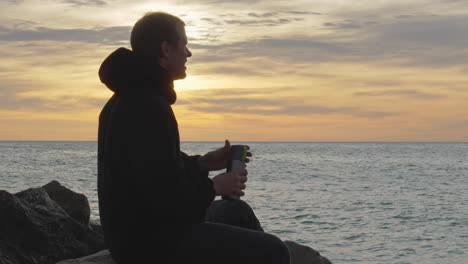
(231, 234)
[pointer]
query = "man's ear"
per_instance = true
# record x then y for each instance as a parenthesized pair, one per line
(165, 49)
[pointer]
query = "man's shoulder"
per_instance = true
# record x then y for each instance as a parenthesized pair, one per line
(138, 103)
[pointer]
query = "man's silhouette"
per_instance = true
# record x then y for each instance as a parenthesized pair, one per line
(153, 198)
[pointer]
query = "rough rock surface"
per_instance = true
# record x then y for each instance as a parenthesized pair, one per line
(75, 204)
(300, 254)
(51, 224)
(35, 228)
(102, 257)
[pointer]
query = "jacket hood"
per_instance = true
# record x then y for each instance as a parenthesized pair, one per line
(126, 72)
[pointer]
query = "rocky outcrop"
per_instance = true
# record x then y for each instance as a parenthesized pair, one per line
(299, 254)
(51, 224)
(45, 225)
(102, 257)
(75, 204)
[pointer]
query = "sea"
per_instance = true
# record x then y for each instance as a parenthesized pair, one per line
(353, 202)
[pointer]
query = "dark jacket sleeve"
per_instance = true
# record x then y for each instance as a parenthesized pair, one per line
(191, 163)
(169, 185)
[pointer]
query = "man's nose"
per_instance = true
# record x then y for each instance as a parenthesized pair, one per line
(189, 53)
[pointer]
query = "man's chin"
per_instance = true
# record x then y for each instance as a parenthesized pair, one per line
(180, 76)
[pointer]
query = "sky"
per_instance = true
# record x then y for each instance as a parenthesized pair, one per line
(296, 70)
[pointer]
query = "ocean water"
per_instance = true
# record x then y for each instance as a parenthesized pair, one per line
(353, 202)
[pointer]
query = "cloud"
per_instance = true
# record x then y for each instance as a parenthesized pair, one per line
(458, 124)
(265, 19)
(230, 2)
(423, 41)
(212, 21)
(417, 40)
(292, 48)
(278, 13)
(11, 98)
(427, 31)
(404, 16)
(342, 25)
(453, 1)
(263, 108)
(405, 93)
(302, 13)
(106, 35)
(374, 114)
(85, 2)
(231, 100)
(267, 14)
(233, 70)
(261, 22)
(44, 76)
(300, 48)
(23, 24)
(245, 92)
(14, 1)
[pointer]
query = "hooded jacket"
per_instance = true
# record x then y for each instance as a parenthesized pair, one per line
(150, 193)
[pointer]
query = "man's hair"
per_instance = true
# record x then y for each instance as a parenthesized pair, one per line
(153, 29)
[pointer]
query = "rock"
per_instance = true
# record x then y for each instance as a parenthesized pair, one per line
(36, 229)
(102, 257)
(75, 204)
(51, 223)
(300, 254)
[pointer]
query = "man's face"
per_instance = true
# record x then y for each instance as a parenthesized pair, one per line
(177, 56)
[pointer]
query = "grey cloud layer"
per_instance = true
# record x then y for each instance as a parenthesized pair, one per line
(10, 99)
(85, 2)
(257, 19)
(405, 93)
(14, 1)
(230, 2)
(297, 48)
(109, 35)
(426, 41)
(238, 101)
(260, 22)
(72, 2)
(278, 13)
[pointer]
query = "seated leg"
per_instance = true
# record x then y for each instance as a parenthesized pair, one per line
(213, 243)
(233, 212)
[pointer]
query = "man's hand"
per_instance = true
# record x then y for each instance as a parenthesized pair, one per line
(218, 159)
(231, 183)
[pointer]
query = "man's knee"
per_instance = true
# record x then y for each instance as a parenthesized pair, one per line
(278, 251)
(233, 212)
(231, 205)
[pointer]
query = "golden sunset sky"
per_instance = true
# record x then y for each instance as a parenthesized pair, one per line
(296, 70)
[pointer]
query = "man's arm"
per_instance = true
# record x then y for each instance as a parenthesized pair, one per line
(153, 156)
(193, 165)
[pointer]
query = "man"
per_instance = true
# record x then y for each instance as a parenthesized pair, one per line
(153, 198)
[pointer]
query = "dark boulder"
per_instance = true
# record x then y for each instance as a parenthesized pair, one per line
(51, 224)
(75, 204)
(299, 254)
(102, 257)
(34, 228)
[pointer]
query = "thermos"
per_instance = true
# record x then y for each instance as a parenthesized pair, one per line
(236, 161)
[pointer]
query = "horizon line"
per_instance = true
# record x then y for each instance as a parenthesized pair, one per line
(254, 141)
